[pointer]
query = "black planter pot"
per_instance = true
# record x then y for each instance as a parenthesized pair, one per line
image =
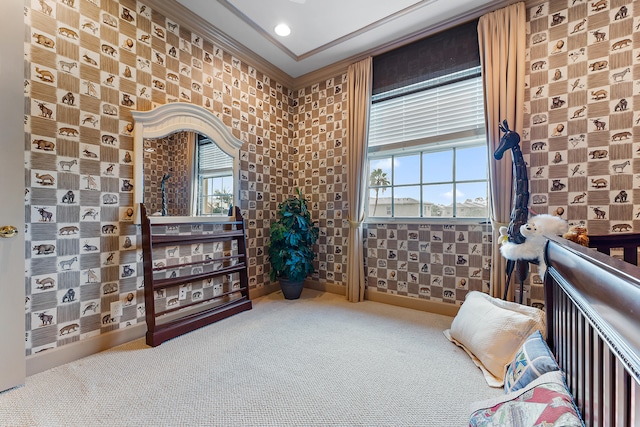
(291, 289)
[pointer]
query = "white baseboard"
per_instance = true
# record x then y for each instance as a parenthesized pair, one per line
(397, 300)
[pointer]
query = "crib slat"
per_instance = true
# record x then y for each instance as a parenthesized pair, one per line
(589, 370)
(566, 334)
(570, 350)
(563, 332)
(573, 337)
(635, 404)
(608, 388)
(559, 326)
(598, 375)
(557, 317)
(622, 393)
(580, 390)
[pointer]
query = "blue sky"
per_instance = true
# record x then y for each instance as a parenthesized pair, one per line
(470, 164)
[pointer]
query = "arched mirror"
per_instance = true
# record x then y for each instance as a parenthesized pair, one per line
(185, 157)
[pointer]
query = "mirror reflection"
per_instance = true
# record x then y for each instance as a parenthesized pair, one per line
(187, 162)
(214, 178)
(186, 173)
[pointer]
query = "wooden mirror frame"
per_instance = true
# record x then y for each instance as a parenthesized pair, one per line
(180, 116)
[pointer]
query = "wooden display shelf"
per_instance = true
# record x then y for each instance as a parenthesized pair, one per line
(203, 286)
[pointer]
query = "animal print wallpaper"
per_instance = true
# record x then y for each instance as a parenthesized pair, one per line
(581, 122)
(578, 142)
(88, 64)
(435, 262)
(167, 156)
(580, 139)
(319, 132)
(432, 262)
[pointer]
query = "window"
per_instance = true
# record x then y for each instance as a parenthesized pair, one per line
(427, 149)
(215, 179)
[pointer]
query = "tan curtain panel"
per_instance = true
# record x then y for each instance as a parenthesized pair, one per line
(359, 78)
(502, 40)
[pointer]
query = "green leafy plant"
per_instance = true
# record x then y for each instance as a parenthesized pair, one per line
(292, 238)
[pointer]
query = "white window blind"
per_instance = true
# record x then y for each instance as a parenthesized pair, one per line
(430, 109)
(215, 183)
(427, 150)
(211, 159)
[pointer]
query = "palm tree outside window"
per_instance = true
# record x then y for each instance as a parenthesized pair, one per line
(378, 184)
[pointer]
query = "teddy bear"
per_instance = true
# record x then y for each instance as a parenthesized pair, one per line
(578, 234)
(534, 231)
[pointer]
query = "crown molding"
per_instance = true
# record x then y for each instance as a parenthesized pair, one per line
(342, 66)
(230, 7)
(186, 18)
(335, 42)
(196, 23)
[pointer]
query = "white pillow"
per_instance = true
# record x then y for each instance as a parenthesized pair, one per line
(492, 331)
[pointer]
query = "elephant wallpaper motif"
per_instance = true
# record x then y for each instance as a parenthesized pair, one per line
(318, 167)
(88, 64)
(581, 121)
(438, 262)
(167, 156)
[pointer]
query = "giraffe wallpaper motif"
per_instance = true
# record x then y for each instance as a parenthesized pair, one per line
(319, 128)
(167, 156)
(89, 63)
(581, 125)
(581, 137)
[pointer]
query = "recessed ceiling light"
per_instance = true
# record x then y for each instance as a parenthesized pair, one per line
(282, 30)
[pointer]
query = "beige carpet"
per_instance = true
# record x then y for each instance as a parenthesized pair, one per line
(316, 361)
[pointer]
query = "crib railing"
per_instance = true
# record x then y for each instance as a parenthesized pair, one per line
(593, 328)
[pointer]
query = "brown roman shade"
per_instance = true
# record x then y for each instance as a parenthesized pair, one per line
(447, 52)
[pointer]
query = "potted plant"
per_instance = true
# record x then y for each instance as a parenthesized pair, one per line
(291, 249)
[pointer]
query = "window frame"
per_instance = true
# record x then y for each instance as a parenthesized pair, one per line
(217, 173)
(473, 137)
(216, 166)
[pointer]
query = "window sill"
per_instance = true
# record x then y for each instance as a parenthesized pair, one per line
(426, 221)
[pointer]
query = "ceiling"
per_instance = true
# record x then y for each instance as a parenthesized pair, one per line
(324, 32)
